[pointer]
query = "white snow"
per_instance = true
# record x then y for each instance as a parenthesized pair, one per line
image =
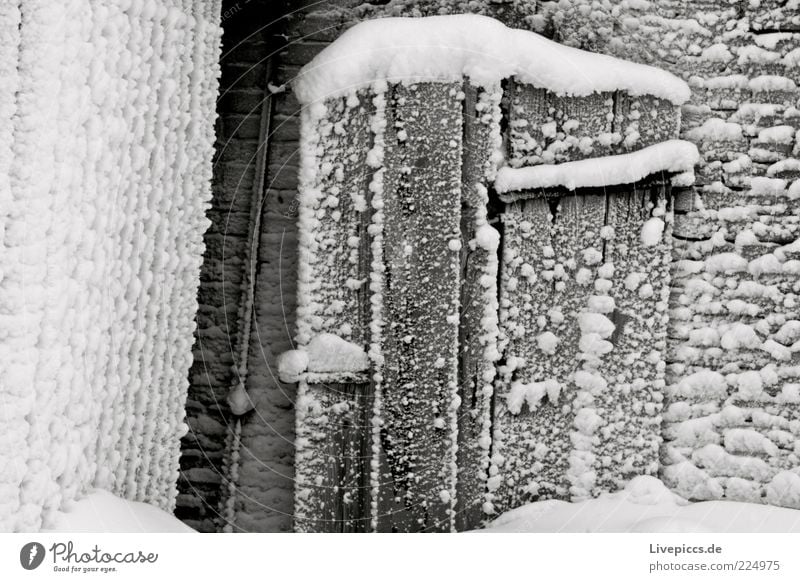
(778, 134)
(291, 364)
(748, 441)
(487, 238)
(646, 505)
(595, 323)
(547, 342)
(717, 130)
(326, 353)
(447, 48)
(531, 394)
(330, 353)
(785, 165)
(771, 83)
(702, 385)
(761, 186)
(726, 263)
(670, 156)
(103, 512)
(652, 231)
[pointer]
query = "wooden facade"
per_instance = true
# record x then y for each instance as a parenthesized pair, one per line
(426, 439)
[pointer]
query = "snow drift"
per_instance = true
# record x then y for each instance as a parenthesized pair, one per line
(646, 505)
(101, 511)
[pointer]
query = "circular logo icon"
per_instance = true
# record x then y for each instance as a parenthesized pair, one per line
(31, 555)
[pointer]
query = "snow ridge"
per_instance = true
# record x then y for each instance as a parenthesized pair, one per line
(447, 48)
(673, 156)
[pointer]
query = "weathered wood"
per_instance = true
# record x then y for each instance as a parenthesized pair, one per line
(643, 120)
(627, 443)
(422, 206)
(436, 434)
(549, 261)
(545, 128)
(333, 457)
(332, 431)
(586, 123)
(529, 109)
(478, 325)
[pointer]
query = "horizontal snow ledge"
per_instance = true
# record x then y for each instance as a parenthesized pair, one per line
(673, 156)
(448, 48)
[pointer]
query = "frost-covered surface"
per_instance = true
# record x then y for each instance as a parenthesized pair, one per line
(333, 312)
(646, 505)
(730, 418)
(672, 156)
(744, 101)
(104, 512)
(107, 117)
(479, 303)
(583, 328)
(447, 48)
(380, 227)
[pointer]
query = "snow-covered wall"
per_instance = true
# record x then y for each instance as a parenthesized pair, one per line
(106, 113)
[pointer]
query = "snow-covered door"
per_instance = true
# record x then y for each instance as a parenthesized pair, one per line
(583, 318)
(583, 302)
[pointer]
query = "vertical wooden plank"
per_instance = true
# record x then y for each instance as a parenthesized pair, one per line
(629, 439)
(478, 324)
(333, 457)
(549, 262)
(331, 461)
(528, 113)
(643, 120)
(422, 206)
(585, 126)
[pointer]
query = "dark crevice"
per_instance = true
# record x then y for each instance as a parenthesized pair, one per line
(689, 238)
(553, 204)
(606, 218)
(506, 87)
(495, 209)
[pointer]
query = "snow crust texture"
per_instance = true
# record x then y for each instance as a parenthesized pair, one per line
(106, 116)
(730, 411)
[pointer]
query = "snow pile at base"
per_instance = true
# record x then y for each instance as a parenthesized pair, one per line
(102, 511)
(447, 48)
(326, 353)
(646, 505)
(673, 156)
